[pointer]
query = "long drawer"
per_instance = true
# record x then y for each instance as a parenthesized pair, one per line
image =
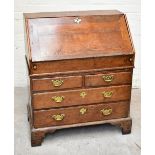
(81, 96)
(72, 65)
(80, 114)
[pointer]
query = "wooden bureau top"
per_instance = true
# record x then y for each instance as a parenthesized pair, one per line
(71, 35)
(71, 13)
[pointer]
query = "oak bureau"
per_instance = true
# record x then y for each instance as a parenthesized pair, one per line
(80, 68)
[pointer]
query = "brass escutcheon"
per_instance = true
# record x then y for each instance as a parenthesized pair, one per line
(83, 111)
(77, 20)
(58, 117)
(57, 83)
(58, 99)
(106, 111)
(108, 78)
(107, 94)
(83, 94)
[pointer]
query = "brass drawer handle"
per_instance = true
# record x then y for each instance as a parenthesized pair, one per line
(77, 20)
(107, 94)
(106, 112)
(83, 111)
(58, 99)
(108, 78)
(58, 117)
(57, 83)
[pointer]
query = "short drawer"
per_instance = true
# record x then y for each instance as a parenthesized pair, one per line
(80, 114)
(56, 83)
(108, 79)
(81, 96)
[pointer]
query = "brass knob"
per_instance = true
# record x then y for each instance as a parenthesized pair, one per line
(108, 78)
(77, 20)
(106, 111)
(107, 94)
(58, 99)
(131, 59)
(83, 111)
(57, 83)
(34, 67)
(58, 117)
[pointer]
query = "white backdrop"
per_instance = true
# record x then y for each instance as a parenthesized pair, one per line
(130, 7)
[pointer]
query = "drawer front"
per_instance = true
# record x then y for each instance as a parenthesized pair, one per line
(81, 96)
(108, 79)
(80, 114)
(56, 83)
(76, 65)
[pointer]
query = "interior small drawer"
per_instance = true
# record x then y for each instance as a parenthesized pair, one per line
(108, 79)
(56, 83)
(80, 114)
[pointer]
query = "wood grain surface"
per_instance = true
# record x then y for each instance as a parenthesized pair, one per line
(72, 97)
(63, 38)
(117, 78)
(44, 118)
(71, 65)
(45, 84)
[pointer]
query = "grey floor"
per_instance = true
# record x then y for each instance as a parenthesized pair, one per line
(92, 140)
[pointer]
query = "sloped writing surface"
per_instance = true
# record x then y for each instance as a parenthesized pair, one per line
(63, 38)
